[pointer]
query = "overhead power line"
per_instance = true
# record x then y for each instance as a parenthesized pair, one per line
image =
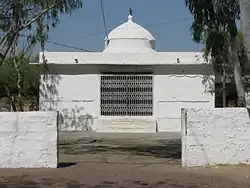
(63, 45)
(69, 46)
(169, 22)
(108, 30)
(148, 26)
(104, 19)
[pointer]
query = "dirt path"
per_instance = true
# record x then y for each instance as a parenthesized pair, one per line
(121, 160)
(112, 175)
(121, 149)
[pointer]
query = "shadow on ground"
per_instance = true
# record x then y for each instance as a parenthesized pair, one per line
(65, 165)
(21, 182)
(30, 181)
(24, 182)
(170, 149)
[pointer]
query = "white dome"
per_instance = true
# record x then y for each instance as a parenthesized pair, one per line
(129, 37)
(130, 30)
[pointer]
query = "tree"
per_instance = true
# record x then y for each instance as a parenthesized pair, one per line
(28, 77)
(35, 16)
(215, 23)
(245, 25)
(218, 59)
(242, 55)
(222, 66)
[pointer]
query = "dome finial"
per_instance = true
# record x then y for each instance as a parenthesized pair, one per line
(130, 15)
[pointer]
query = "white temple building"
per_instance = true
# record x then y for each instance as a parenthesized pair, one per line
(128, 87)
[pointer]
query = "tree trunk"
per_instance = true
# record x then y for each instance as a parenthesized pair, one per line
(245, 26)
(11, 98)
(16, 22)
(241, 102)
(5, 47)
(12, 33)
(16, 65)
(224, 85)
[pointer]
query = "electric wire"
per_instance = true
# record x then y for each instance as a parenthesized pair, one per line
(104, 19)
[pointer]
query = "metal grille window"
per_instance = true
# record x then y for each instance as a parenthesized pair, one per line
(126, 94)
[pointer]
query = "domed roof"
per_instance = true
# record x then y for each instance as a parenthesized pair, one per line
(129, 38)
(130, 30)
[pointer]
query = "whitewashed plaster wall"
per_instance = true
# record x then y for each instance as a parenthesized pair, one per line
(173, 92)
(28, 139)
(215, 136)
(100, 58)
(76, 97)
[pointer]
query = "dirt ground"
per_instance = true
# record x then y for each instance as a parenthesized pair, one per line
(123, 160)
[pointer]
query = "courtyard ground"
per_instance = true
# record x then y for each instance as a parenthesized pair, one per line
(124, 160)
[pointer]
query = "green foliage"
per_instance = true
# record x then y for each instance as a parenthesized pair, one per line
(48, 19)
(25, 11)
(216, 48)
(219, 56)
(245, 25)
(29, 78)
(214, 25)
(32, 17)
(241, 50)
(211, 15)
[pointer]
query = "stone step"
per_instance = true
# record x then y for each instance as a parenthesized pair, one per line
(125, 131)
(120, 124)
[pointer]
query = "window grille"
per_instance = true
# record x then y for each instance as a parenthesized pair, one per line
(126, 94)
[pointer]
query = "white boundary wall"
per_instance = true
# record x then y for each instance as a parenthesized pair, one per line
(217, 136)
(28, 139)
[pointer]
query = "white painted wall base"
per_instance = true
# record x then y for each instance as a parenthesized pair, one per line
(169, 124)
(78, 102)
(126, 124)
(28, 140)
(215, 136)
